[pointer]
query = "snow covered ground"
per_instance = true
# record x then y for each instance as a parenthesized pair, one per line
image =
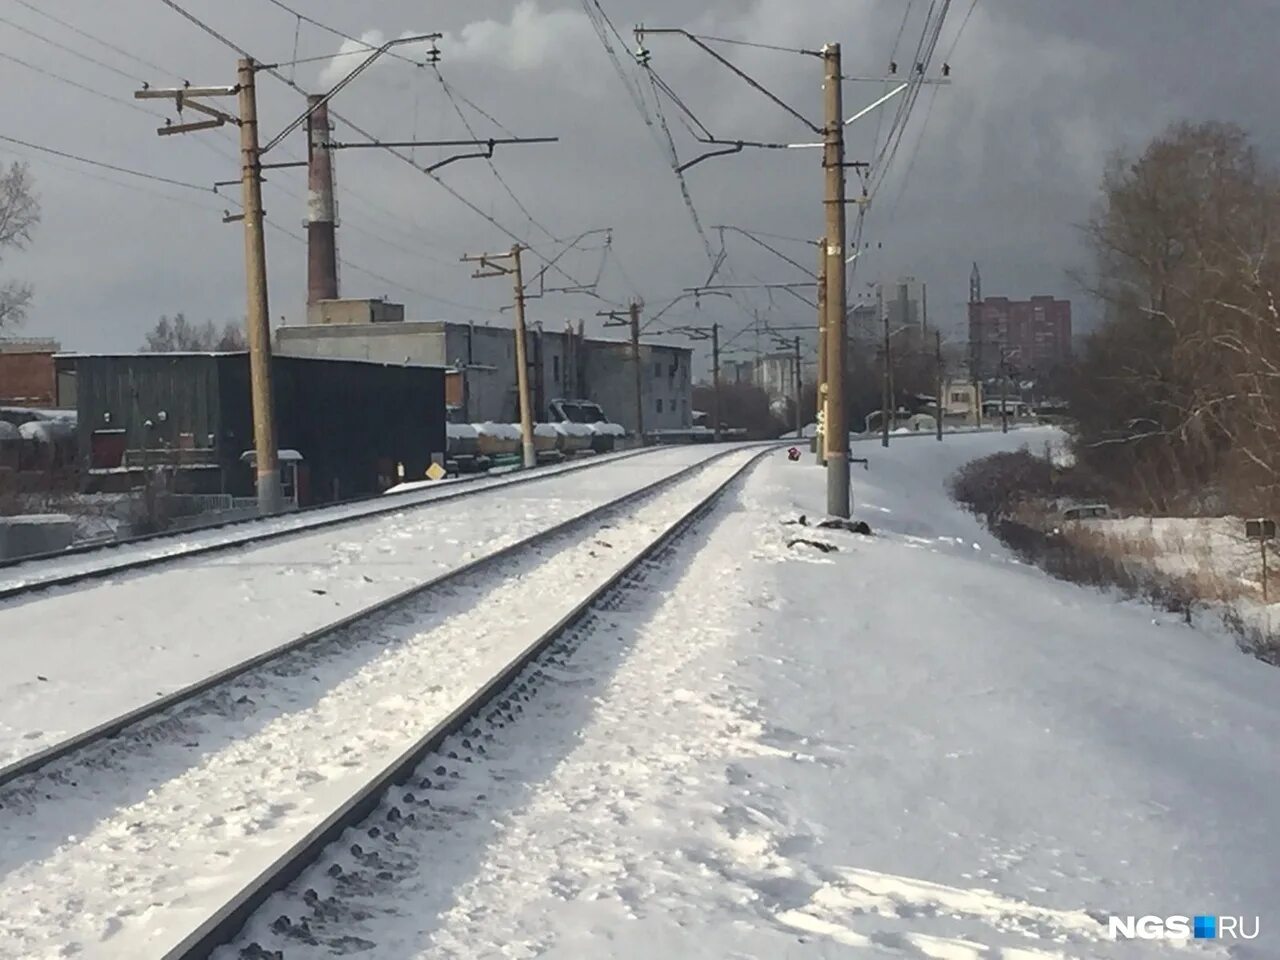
(71, 658)
(119, 854)
(913, 747)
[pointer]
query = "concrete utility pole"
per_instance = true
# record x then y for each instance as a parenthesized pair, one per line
(838, 504)
(632, 322)
(257, 324)
(886, 390)
(821, 440)
(322, 213)
(937, 361)
(799, 371)
(513, 268)
(1004, 394)
(639, 369)
(715, 381)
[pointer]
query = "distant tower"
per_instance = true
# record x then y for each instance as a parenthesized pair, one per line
(975, 285)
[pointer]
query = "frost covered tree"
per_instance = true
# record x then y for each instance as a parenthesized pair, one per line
(19, 214)
(179, 334)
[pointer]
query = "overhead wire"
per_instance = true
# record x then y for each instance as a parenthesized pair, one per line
(371, 138)
(71, 50)
(106, 166)
(98, 40)
(79, 86)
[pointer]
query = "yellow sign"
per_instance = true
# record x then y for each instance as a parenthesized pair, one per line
(435, 472)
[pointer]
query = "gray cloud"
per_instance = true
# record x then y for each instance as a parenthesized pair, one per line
(1008, 162)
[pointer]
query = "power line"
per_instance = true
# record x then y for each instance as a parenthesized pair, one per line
(71, 50)
(750, 43)
(376, 141)
(373, 274)
(493, 168)
(88, 36)
(106, 166)
(79, 86)
(336, 32)
(138, 188)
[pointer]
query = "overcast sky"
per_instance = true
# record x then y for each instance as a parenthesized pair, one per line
(998, 169)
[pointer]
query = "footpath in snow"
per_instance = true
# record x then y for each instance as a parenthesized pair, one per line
(913, 747)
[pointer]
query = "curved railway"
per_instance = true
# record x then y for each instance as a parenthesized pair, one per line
(63, 569)
(482, 623)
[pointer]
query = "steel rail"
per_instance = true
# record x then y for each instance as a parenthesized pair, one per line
(111, 728)
(224, 925)
(142, 563)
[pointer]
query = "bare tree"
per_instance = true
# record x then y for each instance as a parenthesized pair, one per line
(19, 214)
(1179, 392)
(179, 334)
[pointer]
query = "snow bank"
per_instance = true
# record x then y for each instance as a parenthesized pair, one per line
(461, 431)
(499, 431)
(607, 429)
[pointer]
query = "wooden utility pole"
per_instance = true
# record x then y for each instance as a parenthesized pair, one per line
(838, 504)
(886, 390)
(513, 268)
(937, 376)
(715, 381)
(632, 321)
(821, 439)
(257, 325)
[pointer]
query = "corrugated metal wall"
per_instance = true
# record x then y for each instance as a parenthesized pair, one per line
(123, 392)
(352, 421)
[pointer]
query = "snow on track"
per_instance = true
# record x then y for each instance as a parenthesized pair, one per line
(914, 748)
(121, 855)
(111, 557)
(71, 659)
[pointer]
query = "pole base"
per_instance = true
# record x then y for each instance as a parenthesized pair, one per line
(270, 496)
(839, 501)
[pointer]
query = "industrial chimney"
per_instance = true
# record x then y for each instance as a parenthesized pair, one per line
(322, 243)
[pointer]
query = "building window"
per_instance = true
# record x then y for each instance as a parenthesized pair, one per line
(958, 398)
(555, 368)
(657, 369)
(659, 404)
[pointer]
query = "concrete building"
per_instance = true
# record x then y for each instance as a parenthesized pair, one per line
(776, 375)
(1034, 335)
(738, 371)
(562, 364)
(28, 375)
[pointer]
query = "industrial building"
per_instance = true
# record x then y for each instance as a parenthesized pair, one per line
(359, 427)
(562, 363)
(27, 377)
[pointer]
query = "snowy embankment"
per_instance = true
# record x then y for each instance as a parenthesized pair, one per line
(912, 747)
(121, 853)
(1210, 557)
(71, 658)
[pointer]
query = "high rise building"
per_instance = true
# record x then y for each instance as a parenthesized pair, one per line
(1034, 336)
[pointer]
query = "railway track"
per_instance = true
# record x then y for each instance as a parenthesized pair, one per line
(300, 744)
(24, 576)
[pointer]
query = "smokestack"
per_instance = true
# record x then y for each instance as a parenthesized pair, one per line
(322, 242)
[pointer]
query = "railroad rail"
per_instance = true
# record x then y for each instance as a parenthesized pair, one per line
(113, 727)
(227, 922)
(395, 505)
